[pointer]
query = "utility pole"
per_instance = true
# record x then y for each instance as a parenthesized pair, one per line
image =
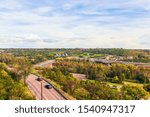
(41, 91)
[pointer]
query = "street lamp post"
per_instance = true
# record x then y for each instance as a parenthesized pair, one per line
(41, 90)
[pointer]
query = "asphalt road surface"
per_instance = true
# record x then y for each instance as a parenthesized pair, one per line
(45, 63)
(47, 94)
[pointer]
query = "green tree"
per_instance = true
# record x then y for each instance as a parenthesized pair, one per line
(100, 91)
(81, 94)
(23, 68)
(133, 92)
(147, 87)
(115, 79)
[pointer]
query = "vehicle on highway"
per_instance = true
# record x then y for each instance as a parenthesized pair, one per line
(48, 86)
(39, 79)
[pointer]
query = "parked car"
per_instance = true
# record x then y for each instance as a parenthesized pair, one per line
(48, 86)
(39, 79)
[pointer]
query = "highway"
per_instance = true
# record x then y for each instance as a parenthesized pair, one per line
(121, 62)
(104, 61)
(47, 94)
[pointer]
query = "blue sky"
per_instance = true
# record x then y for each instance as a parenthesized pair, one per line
(75, 24)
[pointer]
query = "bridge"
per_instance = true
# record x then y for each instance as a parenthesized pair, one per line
(103, 61)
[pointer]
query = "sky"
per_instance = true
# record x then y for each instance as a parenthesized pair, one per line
(75, 24)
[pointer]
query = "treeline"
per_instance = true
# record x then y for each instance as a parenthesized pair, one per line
(111, 51)
(92, 89)
(35, 55)
(39, 55)
(116, 73)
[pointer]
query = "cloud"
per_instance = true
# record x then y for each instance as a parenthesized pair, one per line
(145, 40)
(67, 23)
(10, 4)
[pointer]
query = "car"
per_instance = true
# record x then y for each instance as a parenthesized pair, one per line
(48, 86)
(39, 79)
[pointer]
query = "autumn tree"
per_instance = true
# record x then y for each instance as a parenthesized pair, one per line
(130, 92)
(11, 88)
(147, 87)
(23, 68)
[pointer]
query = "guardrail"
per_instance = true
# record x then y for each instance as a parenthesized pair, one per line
(52, 85)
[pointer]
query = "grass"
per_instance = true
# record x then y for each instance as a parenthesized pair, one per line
(132, 83)
(29, 93)
(120, 85)
(125, 82)
(115, 84)
(91, 55)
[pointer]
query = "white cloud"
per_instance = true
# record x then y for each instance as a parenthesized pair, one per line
(11, 4)
(75, 24)
(42, 10)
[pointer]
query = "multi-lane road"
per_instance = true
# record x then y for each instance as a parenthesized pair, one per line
(36, 89)
(104, 61)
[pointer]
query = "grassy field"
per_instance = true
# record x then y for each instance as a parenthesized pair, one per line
(91, 55)
(132, 83)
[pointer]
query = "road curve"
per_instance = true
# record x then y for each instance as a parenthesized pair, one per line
(45, 63)
(35, 87)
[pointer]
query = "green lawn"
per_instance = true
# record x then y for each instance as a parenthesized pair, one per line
(115, 84)
(125, 82)
(91, 55)
(132, 83)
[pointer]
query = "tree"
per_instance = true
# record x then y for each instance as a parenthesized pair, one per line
(6, 58)
(10, 88)
(122, 78)
(81, 94)
(147, 87)
(100, 91)
(23, 68)
(130, 92)
(71, 84)
(115, 79)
